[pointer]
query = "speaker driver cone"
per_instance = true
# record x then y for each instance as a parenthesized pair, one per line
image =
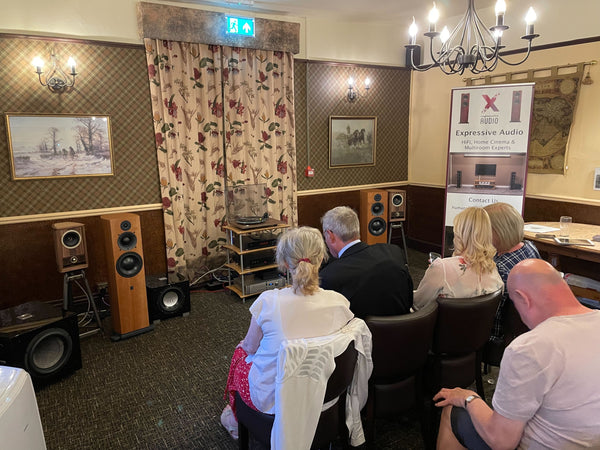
(48, 352)
(377, 209)
(129, 264)
(171, 300)
(127, 241)
(71, 239)
(377, 226)
(397, 199)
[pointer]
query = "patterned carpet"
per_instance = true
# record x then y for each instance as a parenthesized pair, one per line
(164, 389)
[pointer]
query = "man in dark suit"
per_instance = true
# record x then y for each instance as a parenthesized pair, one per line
(374, 278)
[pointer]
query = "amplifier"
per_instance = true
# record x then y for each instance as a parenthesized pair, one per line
(256, 286)
(255, 259)
(252, 241)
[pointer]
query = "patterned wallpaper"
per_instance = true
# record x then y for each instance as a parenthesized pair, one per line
(388, 100)
(112, 81)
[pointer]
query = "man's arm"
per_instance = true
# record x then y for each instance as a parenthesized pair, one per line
(496, 430)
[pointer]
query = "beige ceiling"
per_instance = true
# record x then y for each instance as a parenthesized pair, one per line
(369, 10)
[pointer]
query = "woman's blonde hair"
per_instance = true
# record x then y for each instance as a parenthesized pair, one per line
(507, 226)
(301, 251)
(473, 239)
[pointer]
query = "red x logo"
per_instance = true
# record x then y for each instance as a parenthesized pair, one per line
(489, 102)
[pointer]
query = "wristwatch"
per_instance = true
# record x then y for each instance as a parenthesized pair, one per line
(470, 398)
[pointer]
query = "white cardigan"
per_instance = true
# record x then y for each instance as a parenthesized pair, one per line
(304, 367)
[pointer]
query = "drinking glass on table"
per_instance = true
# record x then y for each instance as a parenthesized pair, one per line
(565, 224)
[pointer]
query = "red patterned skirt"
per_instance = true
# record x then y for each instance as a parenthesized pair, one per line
(237, 380)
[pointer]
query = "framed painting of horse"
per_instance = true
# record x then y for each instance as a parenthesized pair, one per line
(352, 141)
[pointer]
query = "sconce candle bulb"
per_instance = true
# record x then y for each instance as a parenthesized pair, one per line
(529, 20)
(353, 93)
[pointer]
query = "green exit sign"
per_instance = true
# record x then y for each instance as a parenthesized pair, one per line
(241, 26)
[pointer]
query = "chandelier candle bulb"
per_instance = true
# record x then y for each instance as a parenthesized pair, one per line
(530, 19)
(412, 32)
(500, 10)
(434, 15)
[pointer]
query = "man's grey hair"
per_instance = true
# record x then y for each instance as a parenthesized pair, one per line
(343, 222)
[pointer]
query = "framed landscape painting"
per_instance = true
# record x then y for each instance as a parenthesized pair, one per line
(58, 146)
(352, 141)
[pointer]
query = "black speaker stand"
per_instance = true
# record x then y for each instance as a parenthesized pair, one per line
(393, 226)
(68, 298)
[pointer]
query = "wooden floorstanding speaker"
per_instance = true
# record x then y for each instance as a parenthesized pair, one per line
(373, 216)
(127, 280)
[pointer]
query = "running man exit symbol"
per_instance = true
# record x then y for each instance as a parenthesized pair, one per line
(241, 26)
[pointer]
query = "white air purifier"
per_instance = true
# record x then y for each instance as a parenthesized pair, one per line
(20, 420)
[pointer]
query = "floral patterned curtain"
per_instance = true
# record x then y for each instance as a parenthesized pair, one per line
(259, 123)
(187, 82)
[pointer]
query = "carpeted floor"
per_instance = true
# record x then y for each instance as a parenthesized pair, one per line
(164, 389)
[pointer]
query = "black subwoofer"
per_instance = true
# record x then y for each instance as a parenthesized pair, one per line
(34, 336)
(168, 296)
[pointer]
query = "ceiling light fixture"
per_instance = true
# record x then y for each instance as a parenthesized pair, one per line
(471, 45)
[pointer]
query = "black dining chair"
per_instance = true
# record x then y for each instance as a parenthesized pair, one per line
(400, 348)
(332, 423)
(462, 329)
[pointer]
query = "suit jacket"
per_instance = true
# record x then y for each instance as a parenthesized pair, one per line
(374, 278)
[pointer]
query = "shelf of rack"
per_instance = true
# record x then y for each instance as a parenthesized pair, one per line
(234, 246)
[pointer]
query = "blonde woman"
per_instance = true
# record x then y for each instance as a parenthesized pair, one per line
(303, 310)
(471, 270)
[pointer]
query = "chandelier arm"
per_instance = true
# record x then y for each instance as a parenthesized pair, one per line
(519, 62)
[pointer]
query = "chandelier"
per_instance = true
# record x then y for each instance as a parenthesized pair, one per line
(471, 45)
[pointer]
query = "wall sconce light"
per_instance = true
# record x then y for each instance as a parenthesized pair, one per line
(353, 92)
(56, 79)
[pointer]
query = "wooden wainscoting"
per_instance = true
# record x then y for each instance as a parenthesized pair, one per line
(424, 213)
(30, 271)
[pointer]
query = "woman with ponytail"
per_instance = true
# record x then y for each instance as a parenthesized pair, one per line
(303, 310)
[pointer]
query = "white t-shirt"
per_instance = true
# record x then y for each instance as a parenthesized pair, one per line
(550, 378)
(283, 315)
(452, 277)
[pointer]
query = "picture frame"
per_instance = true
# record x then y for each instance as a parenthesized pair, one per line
(59, 145)
(352, 141)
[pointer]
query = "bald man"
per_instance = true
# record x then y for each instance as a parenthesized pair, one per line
(548, 393)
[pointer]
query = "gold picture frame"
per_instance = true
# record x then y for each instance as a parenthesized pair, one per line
(59, 145)
(352, 141)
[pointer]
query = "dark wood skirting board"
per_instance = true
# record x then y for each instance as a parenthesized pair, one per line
(30, 271)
